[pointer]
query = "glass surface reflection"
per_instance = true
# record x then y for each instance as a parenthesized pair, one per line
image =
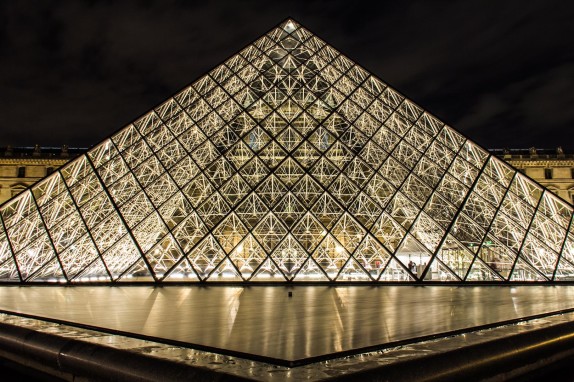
(265, 321)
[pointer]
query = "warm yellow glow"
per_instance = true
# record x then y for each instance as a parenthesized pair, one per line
(288, 162)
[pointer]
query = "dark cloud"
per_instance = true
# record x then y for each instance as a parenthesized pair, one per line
(74, 72)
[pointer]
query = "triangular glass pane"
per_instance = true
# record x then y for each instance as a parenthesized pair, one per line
(556, 209)
(479, 210)
(256, 139)
(452, 190)
(252, 210)
(464, 171)
(402, 210)
(331, 256)
(149, 232)
(395, 272)
(213, 210)
(198, 190)
(305, 155)
(78, 256)
(137, 273)
(51, 272)
(427, 232)
(230, 232)
(310, 271)
(239, 154)
(268, 272)
(164, 256)
(412, 250)
(428, 168)
(481, 272)
(327, 210)
(247, 256)
(539, 256)
(359, 172)
(289, 138)
(189, 232)
(324, 171)
(455, 256)
(270, 190)
(289, 172)
(365, 210)
(348, 232)
(48, 189)
(269, 232)
(175, 210)
(274, 123)
(289, 210)
(388, 232)
(235, 189)
(121, 256)
(254, 171)
(343, 190)
(352, 271)
(182, 272)
(380, 190)
(564, 271)
(441, 211)
(307, 190)
(8, 272)
(206, 256)
(322, 139)
(467, 231)
(31, 258)
(524, 272)
(290, 109)
(437, 271)
(548, 231)
(499, 257)
(225, 272)
(289, 256)
(526, 189)
(219, 171)
(372, 256)
(272, 154)
(339, 155)
(505, 230)
(95, 272)
(373, 154)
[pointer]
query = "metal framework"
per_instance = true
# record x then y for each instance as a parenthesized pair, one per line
(288, 162)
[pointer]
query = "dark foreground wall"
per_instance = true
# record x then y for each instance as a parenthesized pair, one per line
(72, 359)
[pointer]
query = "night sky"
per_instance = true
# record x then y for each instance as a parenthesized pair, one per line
(73, 72)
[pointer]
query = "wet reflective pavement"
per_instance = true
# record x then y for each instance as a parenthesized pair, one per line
(264, 321)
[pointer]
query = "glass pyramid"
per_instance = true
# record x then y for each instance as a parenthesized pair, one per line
(288, 162)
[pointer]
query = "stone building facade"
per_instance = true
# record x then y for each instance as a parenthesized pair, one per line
(554, 169)
(21, 167)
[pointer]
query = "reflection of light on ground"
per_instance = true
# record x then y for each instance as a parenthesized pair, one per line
(264, 320)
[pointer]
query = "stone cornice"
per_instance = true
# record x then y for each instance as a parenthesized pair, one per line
(541, 162)
(34, 161)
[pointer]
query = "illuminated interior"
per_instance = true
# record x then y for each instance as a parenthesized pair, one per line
(288, 162)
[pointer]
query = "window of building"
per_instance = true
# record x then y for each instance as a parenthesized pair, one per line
(21, 172)
(49, 170)
(572, 173)
(547, 173)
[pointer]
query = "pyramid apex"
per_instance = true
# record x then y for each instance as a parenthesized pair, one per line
(289, 25)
